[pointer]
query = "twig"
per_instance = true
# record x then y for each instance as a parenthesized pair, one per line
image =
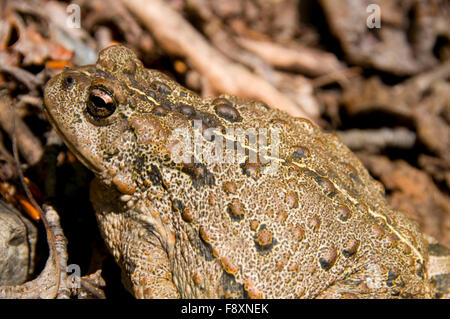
(30, 146)
(423, 81)
(341, 76)
(220, 36)
(301, 59)
(91, 285)
(380, 138)
(27, 78)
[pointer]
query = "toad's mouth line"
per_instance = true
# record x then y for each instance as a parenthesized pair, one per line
(70, 146)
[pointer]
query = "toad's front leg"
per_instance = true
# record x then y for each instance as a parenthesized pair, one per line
(146, 272)
(135, 242)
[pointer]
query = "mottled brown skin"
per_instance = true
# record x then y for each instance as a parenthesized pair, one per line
(319, 227)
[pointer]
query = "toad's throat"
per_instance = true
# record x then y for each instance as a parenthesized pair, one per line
(83, 159)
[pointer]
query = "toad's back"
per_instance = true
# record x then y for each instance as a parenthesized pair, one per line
(296, 216)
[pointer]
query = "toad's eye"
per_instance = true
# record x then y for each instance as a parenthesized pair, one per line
(101, 103)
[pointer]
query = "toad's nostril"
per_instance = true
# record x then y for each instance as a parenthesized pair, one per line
(67, 82)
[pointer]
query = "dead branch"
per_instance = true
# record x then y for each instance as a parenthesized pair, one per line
(301, 59)
(378, 139)
(29, 146)
(91, 286)
(425, 80)
(298, 88)
(23, 76)
(341, 76)
(220, 36)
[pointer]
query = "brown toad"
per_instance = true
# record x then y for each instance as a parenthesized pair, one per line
(297, 216)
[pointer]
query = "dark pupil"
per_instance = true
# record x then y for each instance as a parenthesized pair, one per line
(101, 104)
